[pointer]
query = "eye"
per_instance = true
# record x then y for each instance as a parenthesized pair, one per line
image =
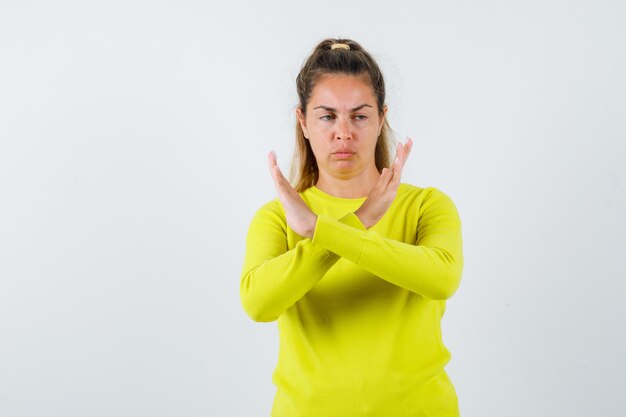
(324, 117)
(360, 117)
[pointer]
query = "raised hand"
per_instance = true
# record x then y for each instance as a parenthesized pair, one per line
(299, 217)
(382, 195)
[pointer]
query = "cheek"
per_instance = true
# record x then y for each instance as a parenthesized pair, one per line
(319, 128)
(316, 146)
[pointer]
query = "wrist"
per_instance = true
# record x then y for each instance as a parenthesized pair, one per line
(311, 230)
(362, 218)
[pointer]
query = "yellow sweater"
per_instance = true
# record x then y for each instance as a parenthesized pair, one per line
(358, 310)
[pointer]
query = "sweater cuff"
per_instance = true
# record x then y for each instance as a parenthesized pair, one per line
(352, 220)
(340, 236)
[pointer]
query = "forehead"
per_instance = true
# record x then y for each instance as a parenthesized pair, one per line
(342, 90)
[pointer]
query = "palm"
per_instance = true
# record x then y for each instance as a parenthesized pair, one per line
(298, 215)
(384, 192)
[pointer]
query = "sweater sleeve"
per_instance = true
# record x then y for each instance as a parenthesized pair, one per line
(275, 277)
(431, 267)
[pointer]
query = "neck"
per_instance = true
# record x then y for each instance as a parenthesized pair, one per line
(349, 187)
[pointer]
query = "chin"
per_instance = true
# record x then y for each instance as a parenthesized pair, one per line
(346, 173)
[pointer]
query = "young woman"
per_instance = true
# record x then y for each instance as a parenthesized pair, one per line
(354, 265)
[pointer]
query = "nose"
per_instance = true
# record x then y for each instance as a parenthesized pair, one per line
(343, 130)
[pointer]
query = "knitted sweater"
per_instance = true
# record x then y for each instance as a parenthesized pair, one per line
(358, 310)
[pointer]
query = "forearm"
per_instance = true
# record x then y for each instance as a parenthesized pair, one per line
(274, 277)
(270, 288)
(432, 269)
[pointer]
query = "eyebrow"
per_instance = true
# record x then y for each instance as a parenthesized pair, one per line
(334, 110)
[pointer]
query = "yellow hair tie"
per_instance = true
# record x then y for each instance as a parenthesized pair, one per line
(339, 45)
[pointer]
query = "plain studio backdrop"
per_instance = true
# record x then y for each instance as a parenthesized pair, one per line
(133, 152)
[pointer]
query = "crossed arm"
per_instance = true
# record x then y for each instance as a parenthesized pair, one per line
(274, 278)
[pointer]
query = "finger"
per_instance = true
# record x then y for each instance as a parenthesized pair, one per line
(271, 161)
(397, 173)
(406, 150)
(273, 165)
(383, 181)
(274, 168)
(385, 174)
(398, 165)
(280, 182)
(397, 161)
(399, 149)
(281, 175)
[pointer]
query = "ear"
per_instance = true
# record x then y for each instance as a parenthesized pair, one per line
(382, 120)
(302, 121)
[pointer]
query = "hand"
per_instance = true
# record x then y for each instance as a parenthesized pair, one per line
(299, 217)
(382, 195)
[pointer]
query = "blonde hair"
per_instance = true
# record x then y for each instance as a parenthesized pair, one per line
(326, 60)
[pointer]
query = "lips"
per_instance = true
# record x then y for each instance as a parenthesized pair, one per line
(343, 154)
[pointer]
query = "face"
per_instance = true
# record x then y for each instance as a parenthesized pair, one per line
(342, 124)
